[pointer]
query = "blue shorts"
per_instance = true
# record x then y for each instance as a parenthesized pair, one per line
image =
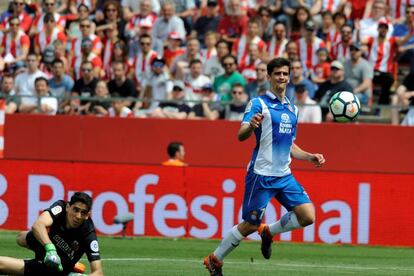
(261, 189)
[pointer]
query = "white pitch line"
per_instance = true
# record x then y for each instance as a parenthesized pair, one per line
(261, 263)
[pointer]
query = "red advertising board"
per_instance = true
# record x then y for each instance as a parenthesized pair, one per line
(206, 202)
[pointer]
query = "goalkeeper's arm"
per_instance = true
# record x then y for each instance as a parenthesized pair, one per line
(39, 229)
(40, 226)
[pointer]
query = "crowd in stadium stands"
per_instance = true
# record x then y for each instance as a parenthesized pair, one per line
(203, 59)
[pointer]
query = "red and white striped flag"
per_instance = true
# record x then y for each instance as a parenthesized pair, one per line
(2, 117)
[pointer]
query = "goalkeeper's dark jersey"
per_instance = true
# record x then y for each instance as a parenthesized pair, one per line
(70, 243)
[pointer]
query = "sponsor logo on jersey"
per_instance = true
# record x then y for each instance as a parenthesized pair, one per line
(56, 210)
(94, 246)
(285, 124)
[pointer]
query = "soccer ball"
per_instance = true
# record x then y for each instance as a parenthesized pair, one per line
(344, 106)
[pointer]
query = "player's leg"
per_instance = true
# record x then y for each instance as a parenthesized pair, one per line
(254, 204)
(21, 239)
(11, 266)
(300, 212)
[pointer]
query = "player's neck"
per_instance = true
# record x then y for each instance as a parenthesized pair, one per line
(279, 93)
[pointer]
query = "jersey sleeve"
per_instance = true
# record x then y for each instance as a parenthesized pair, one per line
(92, 246)
(57, 209)
(252, 108)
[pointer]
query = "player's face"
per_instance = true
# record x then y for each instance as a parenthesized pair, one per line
(279, 78)
(181, 153)
(76, 214)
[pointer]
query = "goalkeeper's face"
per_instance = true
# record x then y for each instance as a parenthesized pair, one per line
(76, 214)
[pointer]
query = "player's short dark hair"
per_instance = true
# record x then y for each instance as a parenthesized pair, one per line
(277, 63)
(173, 147)
(82, 198)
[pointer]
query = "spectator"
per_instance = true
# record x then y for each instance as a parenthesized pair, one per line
(314, 6)
(248, 66)
(60, 53)
(382, 51)
(235, 110)
(173, 48)
(7, 92)
(405, 98)
(133, 7)
(176, 153)
(45, 104)
(15, 44)
(333, 6)
(120, 53)
(18, 11)
(87, 55)
(207, 23)
(308, 45)
(300, 16)
(109, 41)
(327, 30)
(74, 29)
(119, 109)
(145, 14)
(49, 34)
(168, 23)
(296, 78)
(60, 84)
(87, 31)
(261, 84)
(120, 84)
(359, 74)
(48, 7)
(210, 42)
(156, 89)
(308, 110)
(223, 84)
(210, 108)
(84, 86)
(278, 41)
(195, 80)
(112, 19)
(234, 23)
(368, 27)
(180, 65)
(185, 11)
(141, 67)
(24, 83)
(101, 105)
(175, 108)
(213, 66)
(267, 22)
(335, 84)
(406, 50)
(321, 71)
(242, 45)
(292, 52)
(340, 51)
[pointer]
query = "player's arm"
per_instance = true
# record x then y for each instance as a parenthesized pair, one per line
(252, 119)
(40, 226)
(96, 268)
(247, 129)
(316, 158)
(39, 229)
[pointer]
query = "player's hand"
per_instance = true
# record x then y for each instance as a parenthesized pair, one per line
(317, 159)
(256, 120)
(52, 258)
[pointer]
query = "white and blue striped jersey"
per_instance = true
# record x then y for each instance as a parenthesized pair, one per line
(275, 135)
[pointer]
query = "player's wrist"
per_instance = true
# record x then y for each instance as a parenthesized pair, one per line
(50, 247)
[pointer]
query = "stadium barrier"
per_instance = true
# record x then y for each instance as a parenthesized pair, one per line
(204, 202)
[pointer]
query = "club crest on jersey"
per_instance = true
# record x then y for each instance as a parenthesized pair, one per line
(285, 124)
(290, 108)
(75, 245)
(94, 246)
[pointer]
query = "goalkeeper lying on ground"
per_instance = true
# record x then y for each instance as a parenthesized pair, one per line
(59, 237)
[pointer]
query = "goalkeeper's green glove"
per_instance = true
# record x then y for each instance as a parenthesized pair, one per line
(52, 258)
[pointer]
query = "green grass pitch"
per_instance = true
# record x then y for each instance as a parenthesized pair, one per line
(162, 256)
